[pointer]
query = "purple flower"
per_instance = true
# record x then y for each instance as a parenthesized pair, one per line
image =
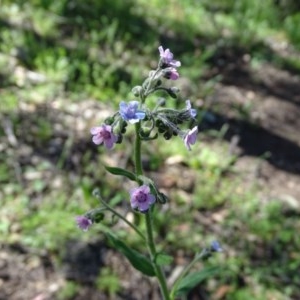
(104, 134)
(129, 112)
(167, 58)
(83, 222)
(192, 111)
(171, 73)
(141, 199)
(216, 247)
(190, 137)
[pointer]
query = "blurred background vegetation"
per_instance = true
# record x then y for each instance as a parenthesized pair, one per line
(64, 67)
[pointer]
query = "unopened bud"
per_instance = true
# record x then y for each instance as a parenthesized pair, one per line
(175, 89)
(109, 120)
(145, 132)
(168, 135)
(98, 217)
(137, 90)
(120, 139)
(162, 198)
(161, 101)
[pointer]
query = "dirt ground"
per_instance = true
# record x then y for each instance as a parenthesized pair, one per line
(268, 98)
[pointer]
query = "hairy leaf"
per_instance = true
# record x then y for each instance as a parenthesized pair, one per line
(121, 172)
(191, 280)
(138, 261)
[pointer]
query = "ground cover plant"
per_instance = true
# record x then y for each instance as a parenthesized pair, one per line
(66, 65)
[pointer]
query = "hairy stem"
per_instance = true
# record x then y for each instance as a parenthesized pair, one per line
(148, 219)
(108, 207)
(96, 193)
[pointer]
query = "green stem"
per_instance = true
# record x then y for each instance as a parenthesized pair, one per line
(146, 91)
(151, 245)
(124, 219)
(148, 218)
(137, 151)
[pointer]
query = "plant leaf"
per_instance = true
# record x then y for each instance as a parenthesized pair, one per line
(191, 280)
(122, 172)
(163, 259)
(138, 261)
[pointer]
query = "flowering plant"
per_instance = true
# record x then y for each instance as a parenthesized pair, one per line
(149, 123)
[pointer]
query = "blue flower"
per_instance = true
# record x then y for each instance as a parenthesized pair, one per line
(130, 112)
(192, 111)
(215, 247)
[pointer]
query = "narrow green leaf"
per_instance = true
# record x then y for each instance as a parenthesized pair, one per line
(138, 261)
(163, 259)
(191, 280)
(122, 172)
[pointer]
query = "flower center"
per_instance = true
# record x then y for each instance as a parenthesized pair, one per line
(141, 197)
(105, 134)
(130, 112)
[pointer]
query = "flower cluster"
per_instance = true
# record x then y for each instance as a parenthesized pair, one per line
(168, 64)
(166, 121)
(159, 120)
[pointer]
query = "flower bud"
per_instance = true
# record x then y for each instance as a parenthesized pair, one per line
(123, 128)
(136, 90)
(167, 135)
(171, 73)
(161, 101)
(109, 120)
(172, 94)
(98, 217)
(145, 132)
(162, 129)
(120, 139)
(158, 83)
(162, 198)
(158, 123)
(174, 89)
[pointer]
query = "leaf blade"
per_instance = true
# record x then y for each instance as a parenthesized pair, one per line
(191, 280)
(121, 172)
(137, 260)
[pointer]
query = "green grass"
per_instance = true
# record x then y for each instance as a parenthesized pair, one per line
(99, 50)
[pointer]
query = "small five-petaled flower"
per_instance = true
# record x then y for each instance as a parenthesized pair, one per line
(104, 134)
(141, 198)
(83, 222)
(130, 112)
